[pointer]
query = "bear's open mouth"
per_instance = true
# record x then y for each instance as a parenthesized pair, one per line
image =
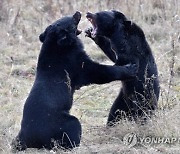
(92, 18)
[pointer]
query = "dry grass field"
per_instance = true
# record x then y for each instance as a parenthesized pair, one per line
(21, 22)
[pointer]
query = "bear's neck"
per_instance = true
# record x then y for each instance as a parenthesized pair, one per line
(51, 55)
(125, 44)
(119, 42)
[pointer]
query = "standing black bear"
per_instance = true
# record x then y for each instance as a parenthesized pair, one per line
(124, 42)
(62, 67)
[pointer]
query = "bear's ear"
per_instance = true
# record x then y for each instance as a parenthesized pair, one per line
(119, 15)
(128, 24)
(42, 36)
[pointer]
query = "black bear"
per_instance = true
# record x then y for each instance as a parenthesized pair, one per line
(124, 42)
(63, 66)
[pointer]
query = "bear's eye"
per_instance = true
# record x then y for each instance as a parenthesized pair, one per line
(63, 31)
(73, 27)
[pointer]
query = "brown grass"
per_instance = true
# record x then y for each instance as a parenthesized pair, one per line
(21, 22)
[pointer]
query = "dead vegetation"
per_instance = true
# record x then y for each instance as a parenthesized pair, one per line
(21, 22)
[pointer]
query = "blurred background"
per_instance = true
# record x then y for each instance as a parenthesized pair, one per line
(22, 21)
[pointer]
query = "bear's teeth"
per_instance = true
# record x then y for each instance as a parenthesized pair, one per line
(90, 19)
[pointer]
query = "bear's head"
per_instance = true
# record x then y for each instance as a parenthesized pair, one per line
(106, 23)
(63, 32)
(122, 34)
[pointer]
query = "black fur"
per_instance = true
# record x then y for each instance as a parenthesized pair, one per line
(124, 42)
(62, 67)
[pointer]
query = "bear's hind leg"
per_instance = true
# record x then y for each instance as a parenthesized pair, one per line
(71, 133)
(120, 109)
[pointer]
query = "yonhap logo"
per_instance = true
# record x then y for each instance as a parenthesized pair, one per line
(131, 139)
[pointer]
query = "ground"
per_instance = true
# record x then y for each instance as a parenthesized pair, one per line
(21, 22)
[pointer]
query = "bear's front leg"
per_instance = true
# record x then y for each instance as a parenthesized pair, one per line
(104, 43)
(101, 74)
